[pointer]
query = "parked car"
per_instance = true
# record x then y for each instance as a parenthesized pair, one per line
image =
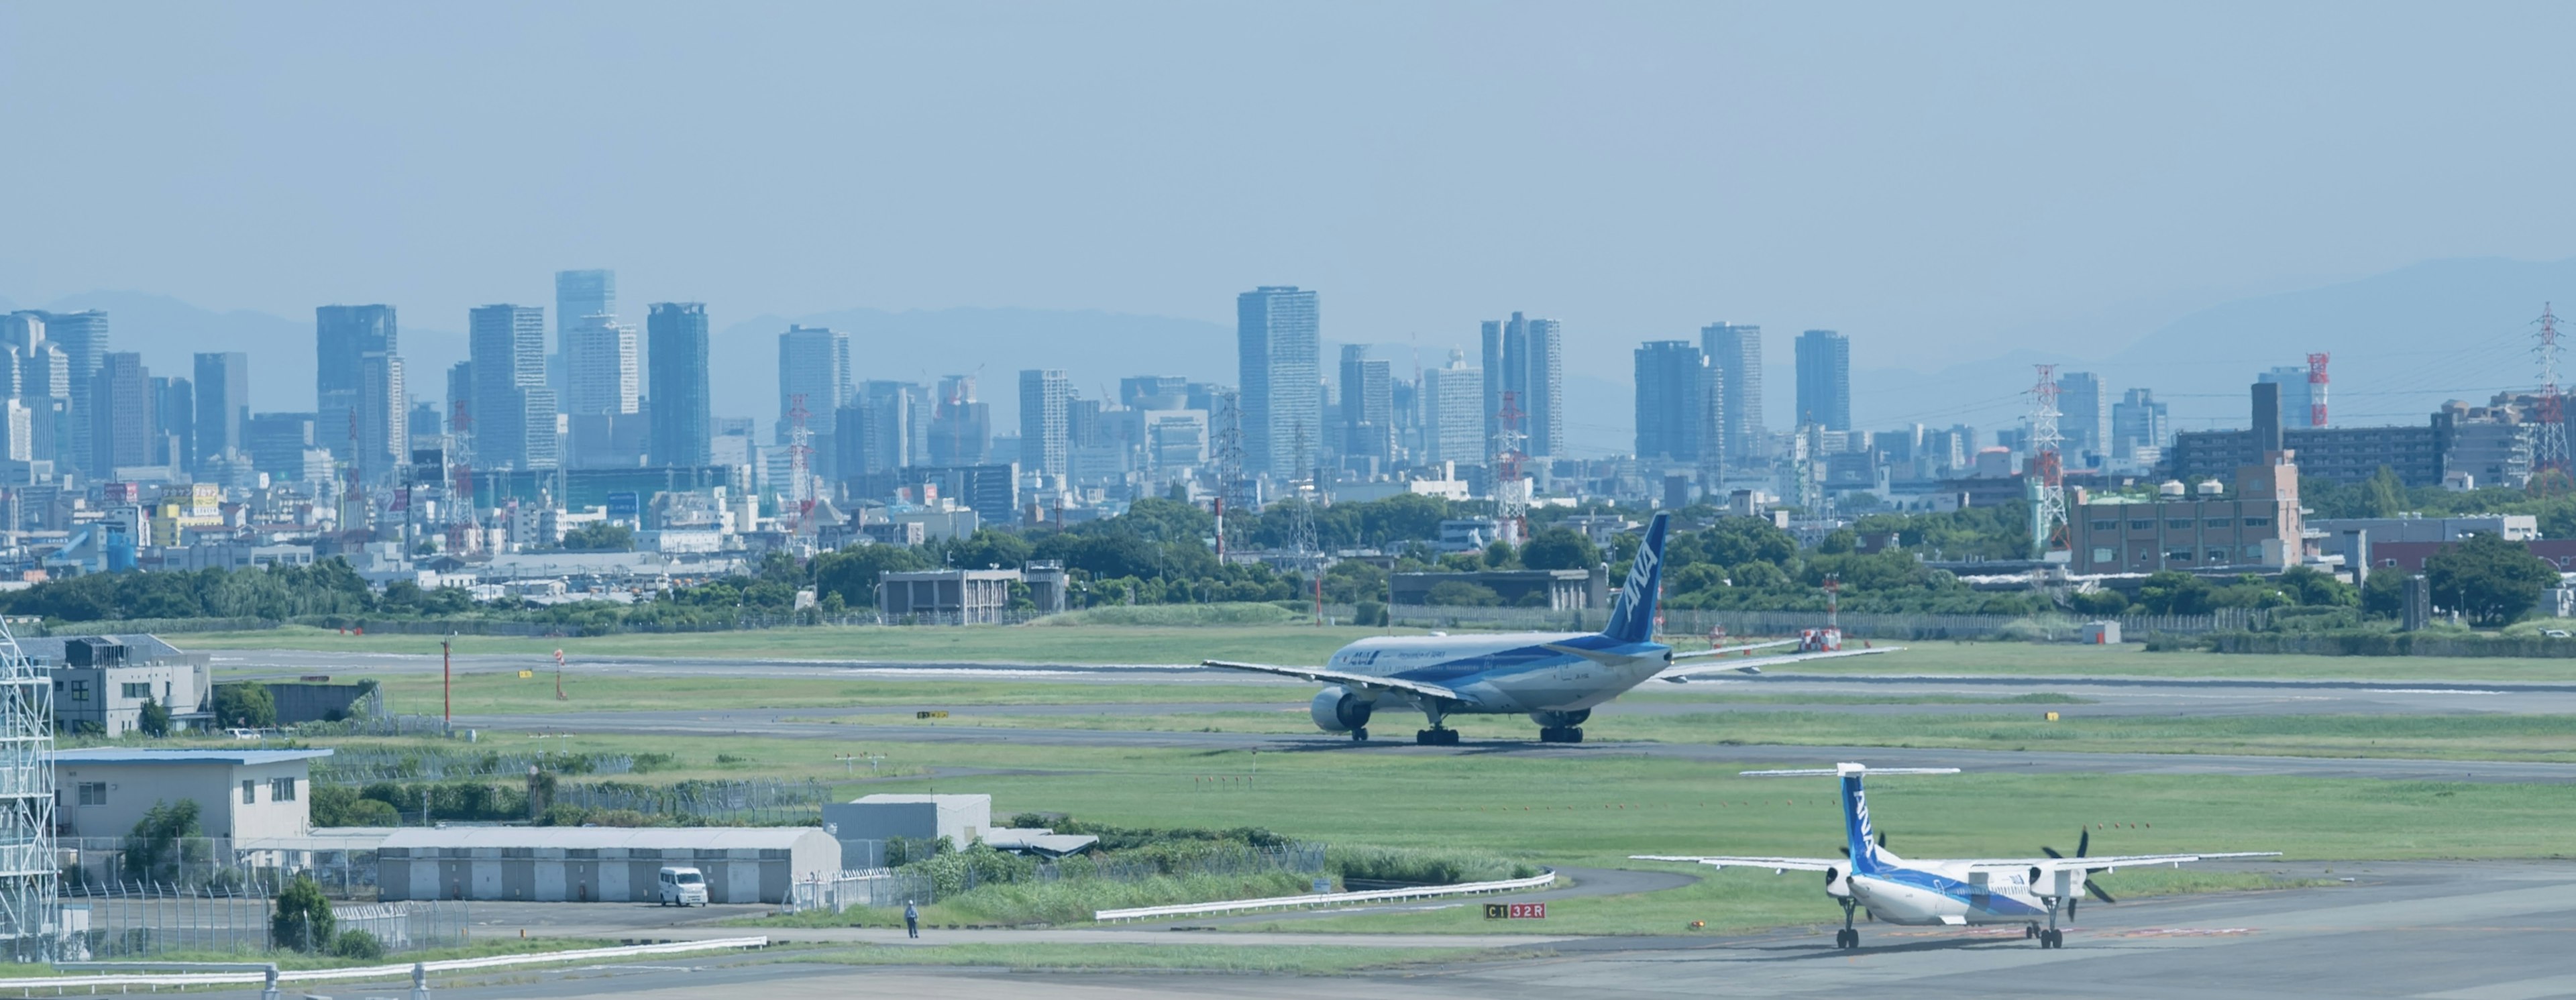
(683, 886)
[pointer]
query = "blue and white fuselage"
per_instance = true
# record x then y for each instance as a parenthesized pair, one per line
(1556, 678)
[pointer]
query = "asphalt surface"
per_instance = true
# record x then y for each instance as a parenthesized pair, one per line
(2436, 931)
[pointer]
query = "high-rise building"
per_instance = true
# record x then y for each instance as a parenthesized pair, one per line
(1525, 361)
(1368, 404)
(174, 422)
(885, 428)
(579, 295)
(1734, 353)
(1824, 380)
(223, 403)
(83, 339)
(600, 376)
(2083, 415)
(2297, 404)
(1677, 405)
(1154, 392)
(682, 412)
(1279, 354)
(961, 429)
(512, 409)
(276, 443)
(1453, 412)
(1046, 442)
(359, 394)
(39, 375)
(120, 396)
(2137, 421)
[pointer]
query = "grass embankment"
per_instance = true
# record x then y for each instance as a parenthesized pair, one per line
(1113, 643)
(297, 961)
(503, 692)
(1174, 957)
(2438, 737)
(1068, 901)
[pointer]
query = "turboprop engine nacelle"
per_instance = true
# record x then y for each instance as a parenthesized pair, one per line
(1338, 709)
(1837, 883)
(2063, 883)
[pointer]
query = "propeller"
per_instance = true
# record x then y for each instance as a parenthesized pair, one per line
(2084, 843)
(1882, 840)
(1846, 849)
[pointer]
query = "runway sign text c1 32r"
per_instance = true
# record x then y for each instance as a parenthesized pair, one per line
(1516, 911)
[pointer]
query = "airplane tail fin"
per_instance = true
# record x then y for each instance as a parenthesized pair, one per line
(1632, 619)
(1862, 841)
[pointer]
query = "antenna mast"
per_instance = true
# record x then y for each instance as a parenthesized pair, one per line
(2047, 474)
(2317, 389)
(1511, 489)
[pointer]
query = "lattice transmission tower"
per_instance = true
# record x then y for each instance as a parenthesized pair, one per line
(1511, 488)
(2549, 444)
(30, 913)
(2047, 473)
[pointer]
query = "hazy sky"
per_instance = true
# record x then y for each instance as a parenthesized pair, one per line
(1930, 178)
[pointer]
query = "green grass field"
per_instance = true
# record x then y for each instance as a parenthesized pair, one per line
(1311, 644)
(1171, 956)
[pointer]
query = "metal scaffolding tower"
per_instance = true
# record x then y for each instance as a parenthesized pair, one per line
(2549, 444)
(1511, 483)
(2047, 473)
(29, 913)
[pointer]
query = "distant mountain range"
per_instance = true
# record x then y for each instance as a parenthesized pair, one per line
(2402, 342)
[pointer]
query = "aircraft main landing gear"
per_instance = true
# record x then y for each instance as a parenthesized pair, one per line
(1441, 737)
(1849, 936)
(1560, 734)
(1359, 734)
(2052, 937)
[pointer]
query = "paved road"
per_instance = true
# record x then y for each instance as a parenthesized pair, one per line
(2435, 931)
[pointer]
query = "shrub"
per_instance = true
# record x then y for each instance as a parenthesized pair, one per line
(1369, 613)
(356, 944)
(1422, 866)
(245, 705)
(303, 921)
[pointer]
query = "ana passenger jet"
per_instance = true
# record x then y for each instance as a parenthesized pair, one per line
(1957, 893)
(1555, 677)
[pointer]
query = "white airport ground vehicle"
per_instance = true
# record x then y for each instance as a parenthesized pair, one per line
(1557, 678)
(683, 886)
(1953, 892)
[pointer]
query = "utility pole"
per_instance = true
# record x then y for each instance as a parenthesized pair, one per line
(559, 695)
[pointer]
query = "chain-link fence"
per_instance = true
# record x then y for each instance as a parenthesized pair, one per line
(877, 887)
(147, 919)
(111, 865)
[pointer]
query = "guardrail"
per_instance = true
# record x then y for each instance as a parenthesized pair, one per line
(1327, 899)
(261, 977)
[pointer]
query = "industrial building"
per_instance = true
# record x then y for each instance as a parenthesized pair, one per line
(240, 794)
(2257, 526)
(102, 681)
(947, 596)
(599, 864)
(962, 819)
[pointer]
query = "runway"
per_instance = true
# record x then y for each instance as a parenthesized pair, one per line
(2435, 931)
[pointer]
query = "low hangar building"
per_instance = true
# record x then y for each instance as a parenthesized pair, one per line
(599, 864)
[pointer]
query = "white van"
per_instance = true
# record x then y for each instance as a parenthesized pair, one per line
(683, 886)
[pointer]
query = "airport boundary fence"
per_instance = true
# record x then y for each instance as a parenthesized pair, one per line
(144, 919)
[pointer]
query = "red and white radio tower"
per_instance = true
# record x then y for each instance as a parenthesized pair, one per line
(2317, 390)
(2549, 449)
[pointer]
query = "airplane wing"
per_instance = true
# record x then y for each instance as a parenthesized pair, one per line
(1775, 864)
(2118, 860)
(1322, 676)
(1683, 673)
(1697, 653)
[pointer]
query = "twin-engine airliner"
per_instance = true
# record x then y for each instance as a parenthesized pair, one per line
(1557, 678)
(1956, 892)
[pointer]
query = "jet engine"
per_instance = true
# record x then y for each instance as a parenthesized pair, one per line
(1339, 709)
(1561, 720)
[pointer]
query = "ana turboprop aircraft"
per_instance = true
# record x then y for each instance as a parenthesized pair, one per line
(1555, 677)
(2021, 891)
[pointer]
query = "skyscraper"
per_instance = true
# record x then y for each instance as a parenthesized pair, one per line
(600, 377)
(1735, 355)
(512, 409)
(2297, 406)
(579, 295)
(1525, 361)
(1453, 412)
(2083, 418)
(885, 428)
(1045, 425)
(2137, 421)
(223, 403)
(120, 397)
(1677, 411)
(814, 369)
(1279, 359)
(961, 429)
(82, 337)
(174, 422)
(1824, 380)
(682, 415)
(1368, 404)
(358, 387)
